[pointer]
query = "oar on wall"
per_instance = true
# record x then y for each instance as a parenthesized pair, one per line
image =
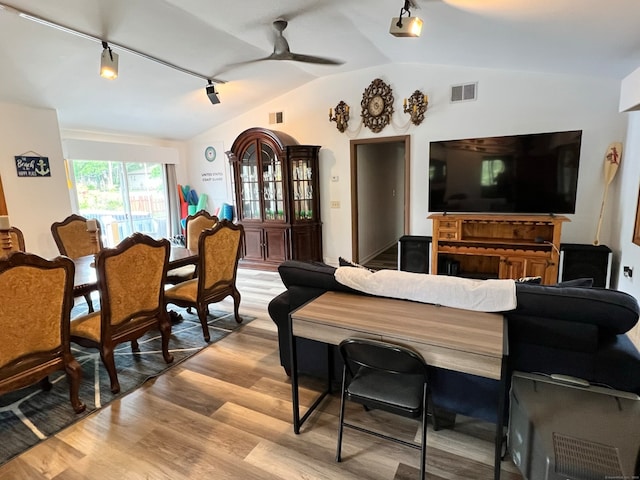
(611, 163)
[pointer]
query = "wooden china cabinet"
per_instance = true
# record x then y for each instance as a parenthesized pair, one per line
(276, 198)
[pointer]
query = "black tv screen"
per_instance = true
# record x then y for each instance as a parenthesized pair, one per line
(532, 173)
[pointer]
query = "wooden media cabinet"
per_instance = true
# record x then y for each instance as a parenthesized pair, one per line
(497, 246)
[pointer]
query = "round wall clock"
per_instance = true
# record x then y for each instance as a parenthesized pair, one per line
(377, 105)
(210, 154)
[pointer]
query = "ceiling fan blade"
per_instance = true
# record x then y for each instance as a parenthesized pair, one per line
(298, 57)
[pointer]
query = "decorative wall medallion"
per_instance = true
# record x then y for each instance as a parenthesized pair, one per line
(377, 105)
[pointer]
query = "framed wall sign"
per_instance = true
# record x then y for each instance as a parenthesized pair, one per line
(32, 166)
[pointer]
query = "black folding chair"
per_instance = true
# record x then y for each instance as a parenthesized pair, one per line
(388, 377)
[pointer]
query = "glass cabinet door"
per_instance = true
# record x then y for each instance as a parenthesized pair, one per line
(249, 187)
(273, 195)
(302, 186)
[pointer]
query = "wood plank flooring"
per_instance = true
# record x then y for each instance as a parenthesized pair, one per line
(226, 414)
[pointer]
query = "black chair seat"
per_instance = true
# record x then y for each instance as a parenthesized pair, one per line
(395, 393)
(385, 376)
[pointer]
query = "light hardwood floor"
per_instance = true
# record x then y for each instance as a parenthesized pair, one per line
(226, 414)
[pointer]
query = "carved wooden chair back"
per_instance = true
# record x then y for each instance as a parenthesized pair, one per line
(219, 252)
(36, 297)
(195, 225)
(73, 239)
(218, 260)
(131, 285)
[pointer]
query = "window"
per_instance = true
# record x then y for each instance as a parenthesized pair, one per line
(124, 197)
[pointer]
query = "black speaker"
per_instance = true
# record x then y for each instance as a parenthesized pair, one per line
(414, 254)
(585, 261)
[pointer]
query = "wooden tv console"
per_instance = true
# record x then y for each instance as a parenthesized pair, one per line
(497, 246)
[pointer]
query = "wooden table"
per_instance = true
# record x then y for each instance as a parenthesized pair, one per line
(86, 281)
(454, 339)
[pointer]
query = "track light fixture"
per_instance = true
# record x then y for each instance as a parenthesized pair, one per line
(108, 63)
(111, 56)
(211, 92)
(405, 27)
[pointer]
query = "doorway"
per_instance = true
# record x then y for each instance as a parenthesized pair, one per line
(380, 196)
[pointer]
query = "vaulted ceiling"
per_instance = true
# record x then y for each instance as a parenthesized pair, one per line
(46, 67)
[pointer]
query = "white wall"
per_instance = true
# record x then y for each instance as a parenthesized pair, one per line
(629, 173)
(508, 103)
(33, 203)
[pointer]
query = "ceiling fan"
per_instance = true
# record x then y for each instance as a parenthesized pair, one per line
(281, 50)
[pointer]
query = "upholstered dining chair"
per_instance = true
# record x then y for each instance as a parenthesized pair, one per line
(219, 252)
(385, 376)
(75, 240)
(195, 224)
(131, 285)
(36, 297)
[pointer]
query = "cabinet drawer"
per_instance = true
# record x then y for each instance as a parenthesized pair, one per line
(448, 234)
(448, 224)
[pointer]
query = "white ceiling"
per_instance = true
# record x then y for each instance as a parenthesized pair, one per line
(45, 67)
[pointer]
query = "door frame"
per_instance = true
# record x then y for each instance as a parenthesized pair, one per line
(354, 184)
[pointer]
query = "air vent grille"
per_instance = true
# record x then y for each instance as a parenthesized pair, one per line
(576, 458)
(276, 117)
(464, 93)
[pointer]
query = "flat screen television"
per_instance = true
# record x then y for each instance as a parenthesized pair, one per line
(530, 174)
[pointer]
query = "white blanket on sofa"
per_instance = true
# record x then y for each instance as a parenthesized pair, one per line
(456, 292)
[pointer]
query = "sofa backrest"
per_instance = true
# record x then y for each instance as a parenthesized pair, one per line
(612, 311)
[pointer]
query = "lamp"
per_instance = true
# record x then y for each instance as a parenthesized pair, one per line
(405, 27)
(211, 92)
(341, 116)
(416, 106)
(5, 235)
(108, 63)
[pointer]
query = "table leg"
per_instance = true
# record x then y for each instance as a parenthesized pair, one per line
(500, 419)
(295, 398)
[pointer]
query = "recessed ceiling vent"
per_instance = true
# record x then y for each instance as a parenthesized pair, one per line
(464, 93)
(276, 117)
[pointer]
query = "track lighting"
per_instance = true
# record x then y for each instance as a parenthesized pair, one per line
(211, 93)
(110, 56)
(108, 63)
(405, 27)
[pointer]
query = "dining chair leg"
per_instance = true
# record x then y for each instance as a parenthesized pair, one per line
(341, 418)
(87, 298)
(236, 305)
(74, 375)
(165, 332)
(45, 384)
(203, 311)
(110, 364)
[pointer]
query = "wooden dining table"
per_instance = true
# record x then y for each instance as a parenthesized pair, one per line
(86, 280)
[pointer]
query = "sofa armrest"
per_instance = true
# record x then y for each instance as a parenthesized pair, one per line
(310, 274)
(612, 311)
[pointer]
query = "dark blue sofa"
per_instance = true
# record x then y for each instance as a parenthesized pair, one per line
(559, 329)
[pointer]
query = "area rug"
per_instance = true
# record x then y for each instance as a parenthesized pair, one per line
(31, 415)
